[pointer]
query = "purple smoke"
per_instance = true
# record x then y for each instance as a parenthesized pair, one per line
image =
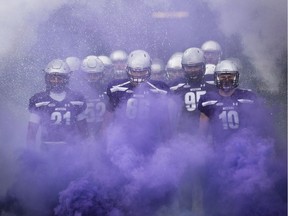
(115, 174)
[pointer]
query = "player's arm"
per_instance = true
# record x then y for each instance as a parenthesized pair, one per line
(203, 129)
(203, 124)
(33, 126)
(110, 110)
(82, 125)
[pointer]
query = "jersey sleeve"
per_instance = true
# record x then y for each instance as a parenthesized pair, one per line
(201, 105)
(34, 104)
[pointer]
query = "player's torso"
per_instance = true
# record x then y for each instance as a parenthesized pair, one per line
(229, 114)
(188, 96)
(96, 106)
(58, 118)
(139, 102)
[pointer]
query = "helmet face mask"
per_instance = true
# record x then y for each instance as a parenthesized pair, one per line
(194, 72)
(93, 69)
(94, 77)
(119, 69)
(56, 82)
(174, 68)
(173, 74)
(227, 81)
(212, 57)
(138, 76)
(212, 52)
(193, 64)
(57, 74)
(226, 76)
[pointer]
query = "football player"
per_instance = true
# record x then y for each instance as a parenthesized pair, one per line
(212, 54)
(93, 71)
(75, 81)
(119, 59)
(108, 68)
(229, 108)
(189, 89)
(174, 67)
(58, 110)
(158, 70)
(136, 101)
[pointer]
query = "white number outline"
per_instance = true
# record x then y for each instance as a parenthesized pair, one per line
(230, 119)
(191, 99)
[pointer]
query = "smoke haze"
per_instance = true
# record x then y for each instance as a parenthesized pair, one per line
(35, 32)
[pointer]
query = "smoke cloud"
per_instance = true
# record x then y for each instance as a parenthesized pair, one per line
(263, 29)
(114, 176)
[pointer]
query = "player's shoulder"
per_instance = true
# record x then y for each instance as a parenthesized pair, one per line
(159, 84)
(180, 80)
(177, 84)
(212, 94)
(118, 82)
(245, 93)
(119, 85)
(209, 86)
(40, 96)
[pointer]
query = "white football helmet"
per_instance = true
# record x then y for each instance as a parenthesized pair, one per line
(119, 59)
(237, 62)
(118, 55)
(226, 75)
(138, 66)
(57, 74)
(174, 67)
(73, 62)
(94, 68)
(212, 52)
(193, 64)
(106, 61)
(157, 70)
